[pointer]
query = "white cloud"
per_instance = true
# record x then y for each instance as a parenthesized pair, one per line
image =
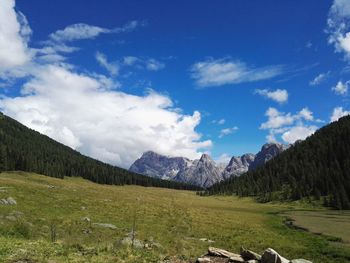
(79, 110)
(25, 30)
(130, 60)
(344, 42)
(341, 88)
(276, 119)
(279, 95)
(319, 79)
(82, 110)
(154, 65)
(14, 36)
(112, 68)
(84, 31)
(53, 52)
(337, 113)
(223, 159)
(150, 64)
(339, 26)
(226, 71)
(56, 45)
(78, 32)
(290, 127)
(227, 131)
(298, 133)
(219, 122)
(305, 114)
(341, 7)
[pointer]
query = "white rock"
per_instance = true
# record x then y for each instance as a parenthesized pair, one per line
(203, 260)
(223, 253)
(105, 225)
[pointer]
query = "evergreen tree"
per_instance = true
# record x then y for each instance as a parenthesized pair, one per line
(24, 149)
(317, 167)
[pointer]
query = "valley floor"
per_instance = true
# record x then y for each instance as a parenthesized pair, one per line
(87, 222)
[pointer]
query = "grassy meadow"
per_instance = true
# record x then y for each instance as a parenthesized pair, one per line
(62, 221)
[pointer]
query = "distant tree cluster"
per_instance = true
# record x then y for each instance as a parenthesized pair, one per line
(317, 168)
(27, 150)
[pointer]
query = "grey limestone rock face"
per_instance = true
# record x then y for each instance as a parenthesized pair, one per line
(203, 172)
(238, 165)
(267, 152)
(159, 166)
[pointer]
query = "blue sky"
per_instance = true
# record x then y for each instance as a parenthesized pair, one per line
(116, 78)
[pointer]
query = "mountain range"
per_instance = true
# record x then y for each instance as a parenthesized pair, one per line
(203, 172)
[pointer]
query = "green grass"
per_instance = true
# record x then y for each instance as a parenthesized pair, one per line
(174, 219)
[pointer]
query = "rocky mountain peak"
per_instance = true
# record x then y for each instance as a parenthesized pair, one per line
(273, 146)
(150, 154)
(267, 152)
(238, 165)
(203, 172)
(205, 158)
(159, 166)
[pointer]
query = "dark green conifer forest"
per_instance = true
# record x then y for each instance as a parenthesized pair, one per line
(317, 168)
(23, 149)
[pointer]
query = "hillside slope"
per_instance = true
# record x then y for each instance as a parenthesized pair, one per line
(27, 150)
(317, 167)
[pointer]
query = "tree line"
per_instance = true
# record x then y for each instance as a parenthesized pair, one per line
(24, 149)
(317, 168)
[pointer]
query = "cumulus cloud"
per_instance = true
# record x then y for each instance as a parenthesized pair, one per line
(14, 37)
(290, 127)
(341, 88)
(337, 113)
(305, 114)
(111, 67)
(339, 26)
(218, 72)
(278, 95)
(276, 119)
(227, 131)
(319, 79)
(298, 133)
(81, 112)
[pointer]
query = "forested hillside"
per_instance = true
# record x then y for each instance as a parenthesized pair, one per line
(27, 150)
(318, 167)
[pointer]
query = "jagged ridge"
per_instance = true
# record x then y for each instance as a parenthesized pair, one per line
(203, 172)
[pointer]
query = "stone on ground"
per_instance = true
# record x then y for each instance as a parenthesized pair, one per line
(271, 256)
